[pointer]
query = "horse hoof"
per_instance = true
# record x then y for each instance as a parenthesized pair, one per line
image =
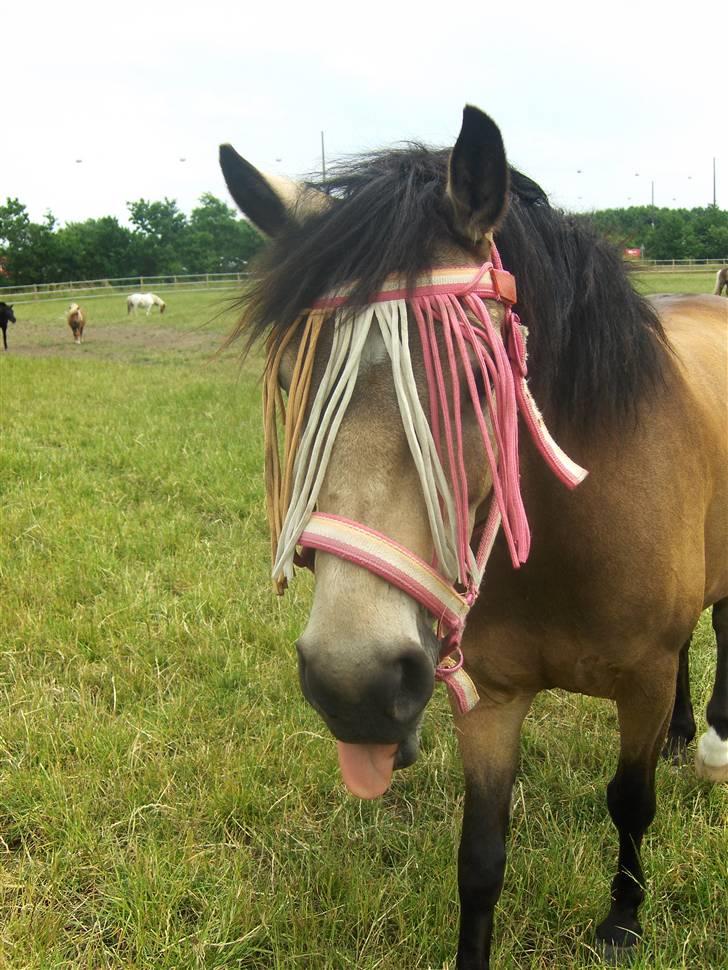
(676, 752)
(618, 956)
(619, 939)
(711, 757)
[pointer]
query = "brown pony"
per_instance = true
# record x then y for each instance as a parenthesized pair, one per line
(76, 321)
(721, 281)
(620, 568)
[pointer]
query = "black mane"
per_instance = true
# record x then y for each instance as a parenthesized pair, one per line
(595, 345)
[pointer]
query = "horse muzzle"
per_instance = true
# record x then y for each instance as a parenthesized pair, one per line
(372, 706)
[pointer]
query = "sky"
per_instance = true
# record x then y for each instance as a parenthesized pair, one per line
(601, 104)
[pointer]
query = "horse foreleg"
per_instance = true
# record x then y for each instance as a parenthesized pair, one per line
(711, 758)
(682, 722)
(644, 713)
(489, 744)
(5, 338)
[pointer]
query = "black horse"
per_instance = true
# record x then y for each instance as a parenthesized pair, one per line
(6, 316)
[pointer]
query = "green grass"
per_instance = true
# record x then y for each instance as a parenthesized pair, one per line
(167, 799)
(659, 281)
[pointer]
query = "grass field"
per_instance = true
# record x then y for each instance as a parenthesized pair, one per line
(167, 799)
(664, 282)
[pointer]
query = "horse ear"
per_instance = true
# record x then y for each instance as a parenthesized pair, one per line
(477, 183)
(270, 201)
(252, 192)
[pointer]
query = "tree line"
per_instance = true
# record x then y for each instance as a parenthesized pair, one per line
(667, 233)
(160, 241)
(163, 241)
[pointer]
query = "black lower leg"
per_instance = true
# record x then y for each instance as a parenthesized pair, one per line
(682, 723)
(717, 711)
(631, 800)
(481, 866)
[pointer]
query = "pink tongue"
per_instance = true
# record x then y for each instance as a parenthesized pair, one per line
(366, 768)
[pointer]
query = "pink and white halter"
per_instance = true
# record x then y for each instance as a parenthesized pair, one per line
(449, 308)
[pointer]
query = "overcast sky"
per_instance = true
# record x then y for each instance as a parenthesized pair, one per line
(595, 101)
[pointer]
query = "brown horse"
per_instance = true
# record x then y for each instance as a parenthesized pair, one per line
(620, 568)
(76, 321)
(721, 281)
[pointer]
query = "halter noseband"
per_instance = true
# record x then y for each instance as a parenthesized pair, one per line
(449, 303)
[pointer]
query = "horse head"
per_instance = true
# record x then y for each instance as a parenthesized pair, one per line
(368, 655)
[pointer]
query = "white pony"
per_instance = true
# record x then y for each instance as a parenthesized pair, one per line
(721, 280)
(144, 301)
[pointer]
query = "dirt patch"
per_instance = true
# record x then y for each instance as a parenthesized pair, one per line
(127, 342)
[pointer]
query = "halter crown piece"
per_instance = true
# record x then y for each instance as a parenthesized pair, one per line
(448, 302)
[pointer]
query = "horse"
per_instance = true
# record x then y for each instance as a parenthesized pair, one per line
(6, 316)
(76, 320)
(144, 301)
(721, 281)
(390, 301)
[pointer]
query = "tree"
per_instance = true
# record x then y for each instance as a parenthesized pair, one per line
(96, 249)
(159, 229)
(162, 221)
(217, 239)
(29, 249)
(667, 233)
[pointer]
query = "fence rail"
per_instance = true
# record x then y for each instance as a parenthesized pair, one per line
(681, 265)
(92, 289)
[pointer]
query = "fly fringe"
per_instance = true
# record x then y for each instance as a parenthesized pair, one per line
(277, 416)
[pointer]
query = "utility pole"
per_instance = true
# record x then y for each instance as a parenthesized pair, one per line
(323, 159)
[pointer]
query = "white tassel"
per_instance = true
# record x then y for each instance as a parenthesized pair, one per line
(317, 442)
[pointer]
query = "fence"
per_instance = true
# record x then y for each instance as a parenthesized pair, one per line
(679, 265)
(93, 289)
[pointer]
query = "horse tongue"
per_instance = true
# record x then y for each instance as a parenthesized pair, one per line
(366, 768)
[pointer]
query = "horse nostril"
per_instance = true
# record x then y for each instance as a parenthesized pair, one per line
(413, 680)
